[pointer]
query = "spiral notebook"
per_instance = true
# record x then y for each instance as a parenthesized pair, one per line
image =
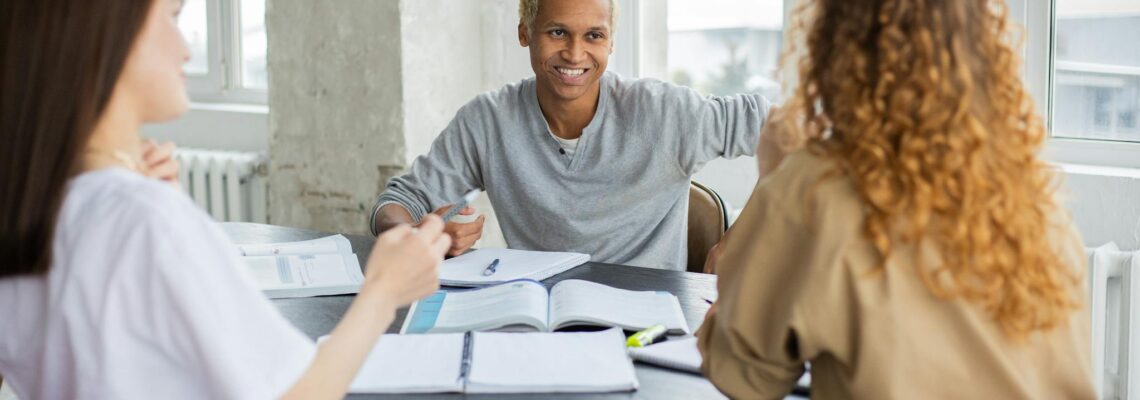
(478, 362)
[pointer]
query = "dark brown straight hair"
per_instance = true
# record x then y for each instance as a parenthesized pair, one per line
(59, 62)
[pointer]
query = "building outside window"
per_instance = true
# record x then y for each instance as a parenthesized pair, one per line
(1096, 81)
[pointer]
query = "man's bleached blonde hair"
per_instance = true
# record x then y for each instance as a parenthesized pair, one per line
(528, 11)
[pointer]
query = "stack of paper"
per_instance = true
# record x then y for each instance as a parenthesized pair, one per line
(319, 267)
(468, 269)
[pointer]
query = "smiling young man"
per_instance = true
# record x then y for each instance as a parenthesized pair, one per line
(576, 158)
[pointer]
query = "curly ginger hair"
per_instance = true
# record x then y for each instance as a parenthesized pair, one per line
(922, 105)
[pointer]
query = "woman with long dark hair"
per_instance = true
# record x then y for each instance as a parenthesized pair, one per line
(914, 248)
(113, 284)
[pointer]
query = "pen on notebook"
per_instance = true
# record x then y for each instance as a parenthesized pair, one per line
(491, 268)
(461, 204)
(707, 300)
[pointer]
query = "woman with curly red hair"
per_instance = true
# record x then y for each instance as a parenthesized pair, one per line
(913, 247)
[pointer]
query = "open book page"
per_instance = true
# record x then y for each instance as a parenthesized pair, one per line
(576, 302)
(576, 362)
(412, 364)
(318, 267)
(335, 244)
(519, 305)
(305, 275)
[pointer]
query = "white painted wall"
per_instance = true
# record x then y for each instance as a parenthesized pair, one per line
(504, 61)
(1105, 203)
(442, 71)
(220, 127)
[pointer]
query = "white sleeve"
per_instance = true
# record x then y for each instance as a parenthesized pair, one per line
(218, 321)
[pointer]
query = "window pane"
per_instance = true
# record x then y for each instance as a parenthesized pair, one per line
(253, 45)
(1097, 70)
(725, 47)
(192, 22)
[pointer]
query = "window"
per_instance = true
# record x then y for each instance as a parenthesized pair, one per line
(738, 42)
(1096, 70)
(227, 50)
(717, 47)
(192, 21)
(253, 45)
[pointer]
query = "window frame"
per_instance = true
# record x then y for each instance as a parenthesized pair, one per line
(1039, 21)
(1039, 18)
(223, 82)
(628, 57)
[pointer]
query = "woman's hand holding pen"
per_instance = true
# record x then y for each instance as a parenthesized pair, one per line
(403, 267)
(404, 264)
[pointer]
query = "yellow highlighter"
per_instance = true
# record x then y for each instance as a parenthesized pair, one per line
(646, 337)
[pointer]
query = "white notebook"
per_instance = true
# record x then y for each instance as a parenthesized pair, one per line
(467, 269)
(678, 354)
(683, 355)
(319, 267)
(525, 305)
(479, 362)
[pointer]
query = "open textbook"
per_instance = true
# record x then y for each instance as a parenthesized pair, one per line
(468, 269)
(525, 305)
(579, 362)
(318, 267)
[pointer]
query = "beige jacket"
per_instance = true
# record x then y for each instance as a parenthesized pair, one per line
(797, 283)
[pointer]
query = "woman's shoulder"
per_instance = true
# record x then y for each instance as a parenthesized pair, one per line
(116, 204)
(813, 183)
(116, 191)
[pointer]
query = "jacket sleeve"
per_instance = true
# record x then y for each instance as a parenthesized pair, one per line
(751, 345)
(711, 127)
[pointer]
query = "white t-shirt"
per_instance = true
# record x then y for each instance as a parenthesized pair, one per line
(145, 299)
(570, 146)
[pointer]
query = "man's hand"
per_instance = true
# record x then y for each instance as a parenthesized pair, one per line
(159, 163)
(463, 236)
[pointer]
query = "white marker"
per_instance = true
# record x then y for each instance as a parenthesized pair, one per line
(461, 204)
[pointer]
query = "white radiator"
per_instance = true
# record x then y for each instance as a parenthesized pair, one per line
(1115, 290)
(229, 185)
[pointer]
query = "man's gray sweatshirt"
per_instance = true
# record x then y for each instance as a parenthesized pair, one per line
(623, 196)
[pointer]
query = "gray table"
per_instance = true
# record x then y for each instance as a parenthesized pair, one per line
(316, 316)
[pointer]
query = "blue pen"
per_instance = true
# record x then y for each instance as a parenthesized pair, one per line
(491, 268)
